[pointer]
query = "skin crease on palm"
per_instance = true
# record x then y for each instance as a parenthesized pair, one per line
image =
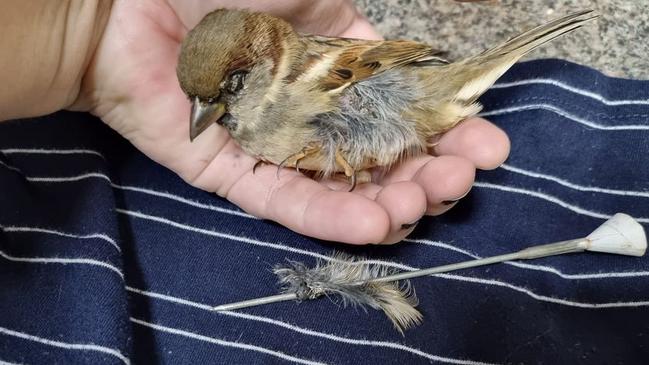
(131, 84)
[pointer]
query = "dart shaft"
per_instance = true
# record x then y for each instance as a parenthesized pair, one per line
(534, 252)
(446, 268)
(553, 249)
(256, 302)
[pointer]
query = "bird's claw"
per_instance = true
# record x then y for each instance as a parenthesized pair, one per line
(350, 172)
(294, 160)
(257, 164)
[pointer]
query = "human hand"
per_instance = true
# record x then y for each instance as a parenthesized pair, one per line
(131, 84)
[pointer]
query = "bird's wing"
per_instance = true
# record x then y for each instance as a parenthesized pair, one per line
(339, 62)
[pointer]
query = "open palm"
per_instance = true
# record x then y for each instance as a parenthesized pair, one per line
(132, 86)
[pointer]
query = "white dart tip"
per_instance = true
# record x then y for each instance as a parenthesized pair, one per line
(621, 234)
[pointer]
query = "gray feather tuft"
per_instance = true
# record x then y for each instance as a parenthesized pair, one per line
(349, 279)
(370, 122)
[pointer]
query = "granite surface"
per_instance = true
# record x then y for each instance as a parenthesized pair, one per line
(617, 43)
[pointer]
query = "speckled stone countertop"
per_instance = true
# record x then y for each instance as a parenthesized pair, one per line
(616, 44)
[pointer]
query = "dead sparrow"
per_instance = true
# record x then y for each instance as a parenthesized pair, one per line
(330, 104)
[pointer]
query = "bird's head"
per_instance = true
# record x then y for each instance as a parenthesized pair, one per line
(230, 56)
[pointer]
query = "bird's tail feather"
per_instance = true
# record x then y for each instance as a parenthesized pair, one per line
(470, 78)
(481, 71)
(533, 38)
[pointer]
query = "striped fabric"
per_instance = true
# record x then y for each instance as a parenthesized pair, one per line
(109, 258)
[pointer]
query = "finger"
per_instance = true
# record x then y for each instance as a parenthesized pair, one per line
(477, 140)
(444, 179)
(405, 203)
(310, 208)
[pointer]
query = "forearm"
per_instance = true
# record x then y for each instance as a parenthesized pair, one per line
(45, 48)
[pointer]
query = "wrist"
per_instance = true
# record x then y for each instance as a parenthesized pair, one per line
(45, 53)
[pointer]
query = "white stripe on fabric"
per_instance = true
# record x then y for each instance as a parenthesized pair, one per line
(177, 198)
(43, 151)
(65, 345)
(566, 183)
(551, 199)
(442, 245)
(304, 331)
(549, 269)
(216, 341)
(586, 93)
(543, 298)
(10, 168)
(100, 236)
(386, 263)
(602, 275)
(565, 114)
(64, 261)
(56, 179)
(9, 363)
(277, 246)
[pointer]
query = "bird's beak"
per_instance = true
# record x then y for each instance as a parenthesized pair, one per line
(203, 115)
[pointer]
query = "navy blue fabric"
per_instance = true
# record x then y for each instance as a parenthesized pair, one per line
(108, 258)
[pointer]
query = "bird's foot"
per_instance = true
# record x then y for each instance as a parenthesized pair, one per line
(350, 172)
(294, 160)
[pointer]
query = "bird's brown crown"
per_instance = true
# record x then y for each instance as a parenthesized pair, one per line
(226, 42)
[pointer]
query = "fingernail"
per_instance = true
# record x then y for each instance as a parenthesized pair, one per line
(409, 225)
(452, 201)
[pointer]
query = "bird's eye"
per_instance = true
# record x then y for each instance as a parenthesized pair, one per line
(235, 81)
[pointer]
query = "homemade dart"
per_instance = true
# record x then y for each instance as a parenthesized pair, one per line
(376, 286)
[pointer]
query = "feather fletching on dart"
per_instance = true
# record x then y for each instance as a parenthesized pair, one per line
(350, 280)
